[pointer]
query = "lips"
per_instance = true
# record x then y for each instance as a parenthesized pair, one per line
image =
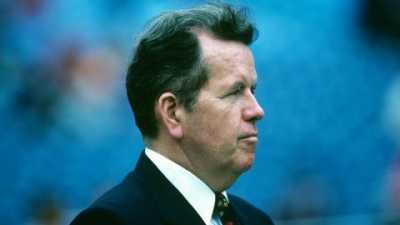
(249, 136)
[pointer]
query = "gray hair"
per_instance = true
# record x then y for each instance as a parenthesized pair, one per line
(167, 56)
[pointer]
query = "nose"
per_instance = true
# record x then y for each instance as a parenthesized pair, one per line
(252, 110)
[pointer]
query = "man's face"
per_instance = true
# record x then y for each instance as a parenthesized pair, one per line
(220, 135)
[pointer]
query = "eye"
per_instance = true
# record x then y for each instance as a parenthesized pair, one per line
(253, 89)
(239, 87)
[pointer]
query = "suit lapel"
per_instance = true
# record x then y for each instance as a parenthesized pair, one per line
(173, 207)
(241, 215)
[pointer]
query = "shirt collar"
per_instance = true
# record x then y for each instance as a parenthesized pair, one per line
(196, 192)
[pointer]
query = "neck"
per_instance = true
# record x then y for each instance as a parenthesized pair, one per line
(218, 181)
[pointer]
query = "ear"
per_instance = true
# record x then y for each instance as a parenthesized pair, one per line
(169, 109)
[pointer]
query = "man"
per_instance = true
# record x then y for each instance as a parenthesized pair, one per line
(191, 86)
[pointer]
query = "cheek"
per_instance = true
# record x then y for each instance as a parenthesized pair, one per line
(222, 124)
(223, 133)
(215, 132)
(217, 124)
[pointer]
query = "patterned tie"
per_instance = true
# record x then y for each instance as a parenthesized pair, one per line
(222, 209)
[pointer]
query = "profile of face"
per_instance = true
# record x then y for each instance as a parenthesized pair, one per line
(219, 134)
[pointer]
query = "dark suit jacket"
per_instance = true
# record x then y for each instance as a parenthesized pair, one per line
(146, 197)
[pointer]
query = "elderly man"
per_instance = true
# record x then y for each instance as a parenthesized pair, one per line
(191, 86)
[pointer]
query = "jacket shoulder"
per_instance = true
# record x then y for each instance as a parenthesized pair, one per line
(96, 215)
(127, 203)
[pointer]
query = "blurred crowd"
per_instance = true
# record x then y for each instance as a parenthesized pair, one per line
(331, 142)
(62, 94)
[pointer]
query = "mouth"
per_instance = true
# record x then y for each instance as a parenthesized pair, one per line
(251, 137)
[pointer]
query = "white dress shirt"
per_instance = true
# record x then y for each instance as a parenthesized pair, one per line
(196, 192)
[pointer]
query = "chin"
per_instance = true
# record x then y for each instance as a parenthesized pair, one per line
(247, 167)
(247, 164)
(249, 158)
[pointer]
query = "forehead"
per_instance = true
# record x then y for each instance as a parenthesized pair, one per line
(227, 60)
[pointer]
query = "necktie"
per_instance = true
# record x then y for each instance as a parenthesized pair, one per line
(223, 210)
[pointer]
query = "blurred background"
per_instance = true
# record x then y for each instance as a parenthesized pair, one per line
(329, 82)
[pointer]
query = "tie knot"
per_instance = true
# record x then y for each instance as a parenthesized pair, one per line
(221, 204)
(223, 210)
